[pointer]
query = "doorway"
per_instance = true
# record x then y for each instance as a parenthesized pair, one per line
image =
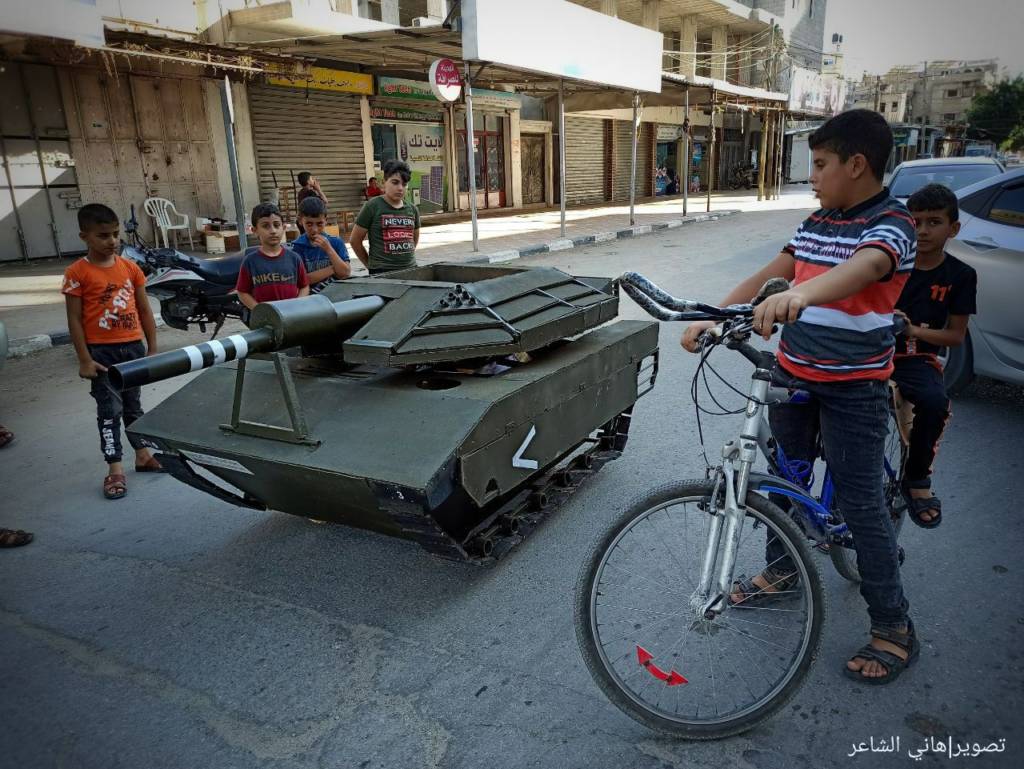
(488, 162)
(533, 165)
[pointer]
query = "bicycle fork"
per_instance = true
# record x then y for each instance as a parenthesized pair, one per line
(719, 562)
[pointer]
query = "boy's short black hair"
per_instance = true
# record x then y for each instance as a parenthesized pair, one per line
(392, 167)
(856, 132)
(303, 178)
(263, 210)
(935, 197)
(312, 207)
(92, 214)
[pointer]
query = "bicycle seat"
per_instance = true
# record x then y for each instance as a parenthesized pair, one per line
(222, 270)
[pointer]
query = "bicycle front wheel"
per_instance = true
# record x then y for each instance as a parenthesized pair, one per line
(650, 650)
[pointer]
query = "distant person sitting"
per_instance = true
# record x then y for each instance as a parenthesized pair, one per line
(270, 271)
(373, 189)
(325, 256)
(310, 188)
(672, 183)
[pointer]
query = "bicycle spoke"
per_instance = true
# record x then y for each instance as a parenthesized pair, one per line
(641, 599)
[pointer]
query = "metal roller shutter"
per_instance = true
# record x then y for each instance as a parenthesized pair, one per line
(584, 160)
(318, 131)
(623, 160)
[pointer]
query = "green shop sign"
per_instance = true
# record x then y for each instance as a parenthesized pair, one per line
(399, 88)
(384, 112)
(414, 90)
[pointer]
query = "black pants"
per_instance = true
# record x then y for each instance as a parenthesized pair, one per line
(920, 381)
(113, 405)
(851, 419)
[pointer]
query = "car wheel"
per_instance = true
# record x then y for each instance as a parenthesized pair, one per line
(958, 366)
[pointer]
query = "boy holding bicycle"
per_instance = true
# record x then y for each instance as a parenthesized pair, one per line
(847, 264)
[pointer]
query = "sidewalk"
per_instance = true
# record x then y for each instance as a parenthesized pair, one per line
(32, 308)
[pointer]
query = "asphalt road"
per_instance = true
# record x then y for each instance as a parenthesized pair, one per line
(172, 630)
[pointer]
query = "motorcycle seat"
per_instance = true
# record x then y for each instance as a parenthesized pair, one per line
(222, 270)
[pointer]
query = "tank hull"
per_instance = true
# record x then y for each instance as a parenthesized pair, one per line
(445, 457)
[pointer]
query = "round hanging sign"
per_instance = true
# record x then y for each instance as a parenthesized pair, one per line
(445, 80)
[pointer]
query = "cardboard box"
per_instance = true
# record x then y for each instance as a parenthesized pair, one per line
(215, 243)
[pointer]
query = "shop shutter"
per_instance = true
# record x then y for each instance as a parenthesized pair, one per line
(624, 159)
(584, 160)
(318, 131)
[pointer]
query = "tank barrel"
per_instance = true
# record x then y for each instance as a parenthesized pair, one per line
(275, 326)
(174, 363)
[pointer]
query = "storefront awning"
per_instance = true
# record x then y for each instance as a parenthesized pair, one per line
(700, 90)
(394, 51)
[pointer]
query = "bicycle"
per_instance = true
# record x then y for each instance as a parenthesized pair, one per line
(635, 622)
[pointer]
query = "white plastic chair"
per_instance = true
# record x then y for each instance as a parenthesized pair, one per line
(161, 209)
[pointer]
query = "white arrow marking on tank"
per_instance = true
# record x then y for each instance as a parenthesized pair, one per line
(517, 458)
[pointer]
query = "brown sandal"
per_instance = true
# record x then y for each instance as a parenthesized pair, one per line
(115, 486)
(6, 436)
(151, 465)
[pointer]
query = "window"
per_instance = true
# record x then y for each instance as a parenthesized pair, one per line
(910, 179)
(951, 92)
(949, 117)
(385, 142)
(895, 106)
(1008, 207)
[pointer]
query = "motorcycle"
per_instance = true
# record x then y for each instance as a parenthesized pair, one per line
(190, 290)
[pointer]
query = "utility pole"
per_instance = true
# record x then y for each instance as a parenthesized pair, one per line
(878, 93)
(769, 74)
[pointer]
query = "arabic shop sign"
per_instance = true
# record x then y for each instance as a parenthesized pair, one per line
(445, 80)
(399, 88)
(415, 90)
(383, 112)
(323, 79)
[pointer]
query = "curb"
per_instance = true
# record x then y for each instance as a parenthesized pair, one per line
(564, 244)
(28, 345)
(19, 348)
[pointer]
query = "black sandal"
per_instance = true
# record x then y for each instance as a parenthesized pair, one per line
(924, 505)
(14, 537)
(754, 596)
(893, 664)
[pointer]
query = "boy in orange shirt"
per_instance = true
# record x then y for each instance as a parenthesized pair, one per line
(107, 315)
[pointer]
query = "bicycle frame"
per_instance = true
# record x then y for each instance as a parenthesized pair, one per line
(736, 472)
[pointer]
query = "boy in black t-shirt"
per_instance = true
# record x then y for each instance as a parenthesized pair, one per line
(936, 303)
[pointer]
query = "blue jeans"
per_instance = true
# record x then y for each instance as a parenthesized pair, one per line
(851, 418)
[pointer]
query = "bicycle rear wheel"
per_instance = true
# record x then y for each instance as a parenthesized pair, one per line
(651, 652)
(842, 552)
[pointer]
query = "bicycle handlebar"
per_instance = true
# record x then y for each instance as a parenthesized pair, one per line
(663, 306)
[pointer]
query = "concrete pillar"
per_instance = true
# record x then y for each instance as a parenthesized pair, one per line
(389, 12)
(719, 44)
(650, 14)
(515, 158)
(688, 45)
(437, 9)
(610, 7)
(364, 115)
(746, 59)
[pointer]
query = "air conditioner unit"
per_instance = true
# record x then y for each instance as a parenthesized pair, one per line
(425, 21)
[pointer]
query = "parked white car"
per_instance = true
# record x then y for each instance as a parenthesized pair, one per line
(991, 240)
(955, 173)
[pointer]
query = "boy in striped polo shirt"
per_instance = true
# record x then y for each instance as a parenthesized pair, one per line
(847, 264)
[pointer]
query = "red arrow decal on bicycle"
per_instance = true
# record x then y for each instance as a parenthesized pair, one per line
(672, 678)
